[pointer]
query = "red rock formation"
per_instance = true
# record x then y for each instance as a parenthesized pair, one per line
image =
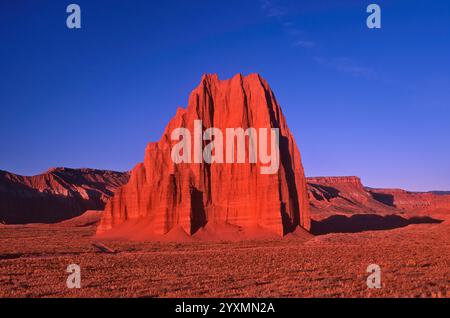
(341, 195)
(347, 195)
(413, 201)
(55, 195)
(166, 196)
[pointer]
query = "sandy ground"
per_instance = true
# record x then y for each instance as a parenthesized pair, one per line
(414, 262)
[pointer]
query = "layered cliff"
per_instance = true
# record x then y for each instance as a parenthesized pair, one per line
(58, 194)
(347, 195)
(341, 195)
(163, 196)
(413, 201)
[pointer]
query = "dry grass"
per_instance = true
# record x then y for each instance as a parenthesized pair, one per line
(414, 261)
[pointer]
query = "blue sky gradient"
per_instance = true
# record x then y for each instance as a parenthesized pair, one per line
(371, 103)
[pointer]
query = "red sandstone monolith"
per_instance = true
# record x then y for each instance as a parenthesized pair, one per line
(162, 196)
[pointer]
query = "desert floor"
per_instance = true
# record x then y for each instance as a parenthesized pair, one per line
(414, 262)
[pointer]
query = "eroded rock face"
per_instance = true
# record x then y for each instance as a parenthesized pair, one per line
(56, 195)
(413, 201)
(164, 195)
(347, 195)
(342, 195)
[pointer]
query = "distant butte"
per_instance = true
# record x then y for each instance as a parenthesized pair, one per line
(330, 196)
(56, 195)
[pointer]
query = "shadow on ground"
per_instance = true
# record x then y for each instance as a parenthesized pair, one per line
(365, 222)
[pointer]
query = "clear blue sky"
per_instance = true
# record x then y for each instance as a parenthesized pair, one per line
(371, 103)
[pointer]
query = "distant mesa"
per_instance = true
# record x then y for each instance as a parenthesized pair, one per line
(331, 195)
(334, 195)
(163, 197)
(56, 195)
